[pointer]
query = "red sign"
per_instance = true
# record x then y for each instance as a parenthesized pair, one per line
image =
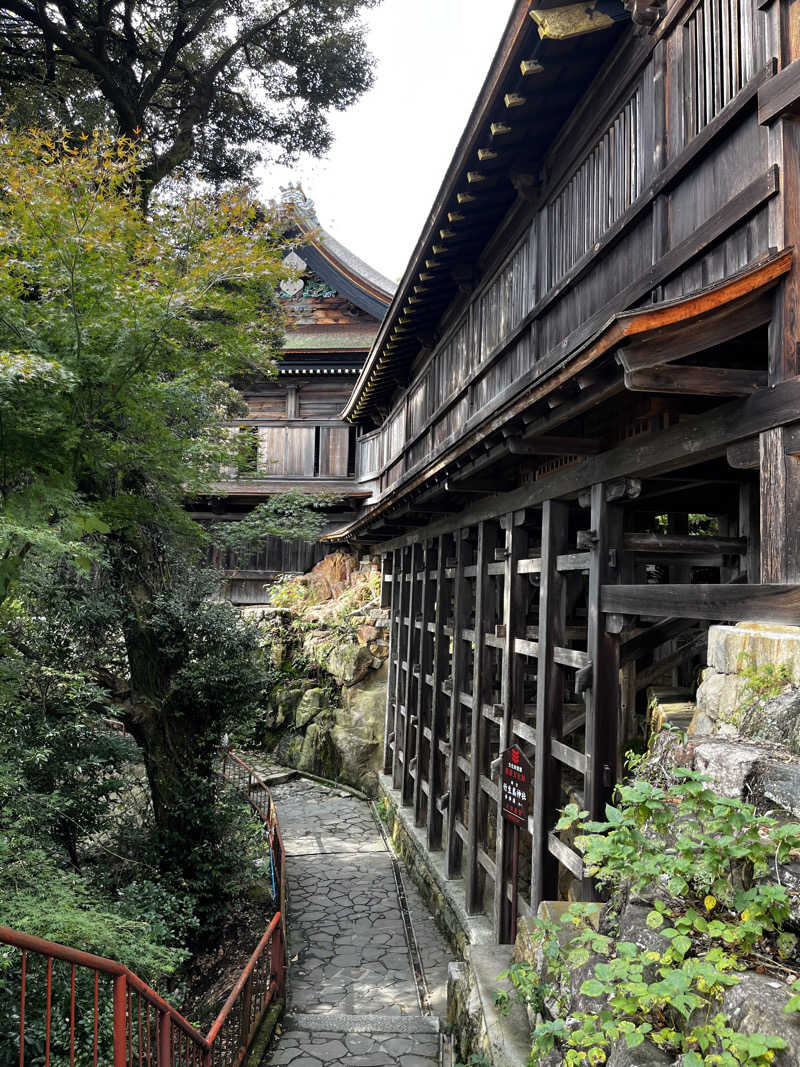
(515, 786)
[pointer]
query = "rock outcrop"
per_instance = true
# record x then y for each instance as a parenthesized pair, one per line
(329, 627)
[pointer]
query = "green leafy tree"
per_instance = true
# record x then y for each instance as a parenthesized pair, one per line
(132, 325)
(212, 85)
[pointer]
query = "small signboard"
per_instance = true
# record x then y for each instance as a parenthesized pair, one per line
(515, 786)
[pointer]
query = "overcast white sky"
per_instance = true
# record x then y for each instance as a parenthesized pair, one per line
(374, 189)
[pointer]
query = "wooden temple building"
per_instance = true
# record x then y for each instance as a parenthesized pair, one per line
(579, 423)
(294, 435)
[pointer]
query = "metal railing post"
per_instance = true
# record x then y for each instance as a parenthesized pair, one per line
(247, 995)
(277, 961)
(164, 1039)
(120, 1032)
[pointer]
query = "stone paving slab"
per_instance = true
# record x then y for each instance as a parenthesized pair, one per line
(341, 1048)
(353, 999)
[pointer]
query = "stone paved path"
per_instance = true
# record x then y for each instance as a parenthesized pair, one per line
(353, 999)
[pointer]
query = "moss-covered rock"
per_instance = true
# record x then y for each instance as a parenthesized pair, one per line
(312, 702)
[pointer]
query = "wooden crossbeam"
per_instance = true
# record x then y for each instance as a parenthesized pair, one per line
(679, 544)
(553, 445)
(735, 603)
(695, 381)
(714, 328)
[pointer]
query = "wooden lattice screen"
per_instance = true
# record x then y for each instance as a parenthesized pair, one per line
(496, 638)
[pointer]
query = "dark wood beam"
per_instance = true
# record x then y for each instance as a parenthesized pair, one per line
(695, 381)
(470, 485)
(658, 634)
(552, 445)
(733, 603)
(744, 455)
(780, 95)
(715, 328)
(677, 544)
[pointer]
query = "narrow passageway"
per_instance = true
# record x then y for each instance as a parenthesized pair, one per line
(367, 976)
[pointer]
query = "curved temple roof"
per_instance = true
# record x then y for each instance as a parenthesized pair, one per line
(366, 287)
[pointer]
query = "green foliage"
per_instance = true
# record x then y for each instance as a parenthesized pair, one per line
(293, 514)
(705, 860)
(477, 1059)
(117, 333)
(213, 86)
(760, 683)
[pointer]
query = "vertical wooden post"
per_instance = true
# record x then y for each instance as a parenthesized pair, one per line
(411, 686)
(474, 873)
(780, 506)
(455, 784)
(246, 1002)
(434, 821)
(780, 474)
(750, 527)
(514, 611)
(602, 699)
(423, 662)
(392, 672)
(549, 700)
(403, 590)
(278, 961)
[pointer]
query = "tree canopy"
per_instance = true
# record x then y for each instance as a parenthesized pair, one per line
(117, 335)
(213, 85)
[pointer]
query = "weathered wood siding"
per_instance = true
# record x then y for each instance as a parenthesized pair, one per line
(669, 191)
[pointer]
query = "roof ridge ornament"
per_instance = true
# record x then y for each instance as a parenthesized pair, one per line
(295, 200)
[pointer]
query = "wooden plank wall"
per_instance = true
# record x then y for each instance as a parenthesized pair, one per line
(669, 192)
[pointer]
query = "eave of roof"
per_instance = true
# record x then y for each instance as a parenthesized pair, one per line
(477, 193)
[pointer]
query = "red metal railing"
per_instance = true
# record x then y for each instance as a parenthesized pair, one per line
(72, 1008)
(245, 779)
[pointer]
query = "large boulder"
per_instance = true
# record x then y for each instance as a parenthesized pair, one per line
(312, 702)
(358, 732)
(349, 663)
(330, 577)
(776, 721)
(646, 1055)
(756, 1006)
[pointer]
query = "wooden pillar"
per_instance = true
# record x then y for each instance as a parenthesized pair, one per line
(424, 662)
(514, 611)
(411, 679)
(434, 820)
(455, 783)
(780, 473)
(487, 540)
(391, 568)
(549, 700)
(750, 527)
(602, 699)
(403, 590)
(780, 509)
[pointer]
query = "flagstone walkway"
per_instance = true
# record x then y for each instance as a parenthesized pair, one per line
(353, 997)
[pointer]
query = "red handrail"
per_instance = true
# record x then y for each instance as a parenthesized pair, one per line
(146, 1031)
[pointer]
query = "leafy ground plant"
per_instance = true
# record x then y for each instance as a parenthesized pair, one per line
(706, 866)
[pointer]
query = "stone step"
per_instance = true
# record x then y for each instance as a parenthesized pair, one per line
(332, 1022)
